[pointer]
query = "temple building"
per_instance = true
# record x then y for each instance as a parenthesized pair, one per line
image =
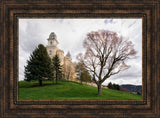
(68, 67)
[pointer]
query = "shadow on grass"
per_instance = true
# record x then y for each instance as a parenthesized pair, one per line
(31, 85)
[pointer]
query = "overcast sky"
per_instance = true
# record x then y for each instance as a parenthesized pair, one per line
(71, 33)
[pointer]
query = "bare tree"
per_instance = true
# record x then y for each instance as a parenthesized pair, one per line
(105, 55)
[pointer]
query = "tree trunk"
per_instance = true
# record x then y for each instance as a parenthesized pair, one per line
(56, 78)
(68, 76)
(99, 89)
(40, 82)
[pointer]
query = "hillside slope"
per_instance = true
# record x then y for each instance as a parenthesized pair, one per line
(67, 90)
(133, 88)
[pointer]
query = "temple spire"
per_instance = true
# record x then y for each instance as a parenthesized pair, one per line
(52, 40)
(68, 54)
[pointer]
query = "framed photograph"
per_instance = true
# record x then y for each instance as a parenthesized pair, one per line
(79, 59)
(63, 47)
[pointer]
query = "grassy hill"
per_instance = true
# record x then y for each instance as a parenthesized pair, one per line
(67, 90)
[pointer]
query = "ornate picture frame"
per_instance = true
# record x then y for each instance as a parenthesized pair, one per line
(11, 10)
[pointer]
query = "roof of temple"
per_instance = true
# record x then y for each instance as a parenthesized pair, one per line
(53, 36)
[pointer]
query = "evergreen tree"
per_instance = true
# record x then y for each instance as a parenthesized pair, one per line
(113, 86)
(57, 67)
(39, 66)
(110, 85)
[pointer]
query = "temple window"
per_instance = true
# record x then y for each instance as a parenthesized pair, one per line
(50, 52)
(51, 42)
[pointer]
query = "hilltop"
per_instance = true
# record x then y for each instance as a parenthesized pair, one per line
(69, 90)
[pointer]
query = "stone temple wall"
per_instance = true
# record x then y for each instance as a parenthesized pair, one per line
(67, 65)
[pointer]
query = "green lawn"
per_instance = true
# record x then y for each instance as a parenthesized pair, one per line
(67, 90)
